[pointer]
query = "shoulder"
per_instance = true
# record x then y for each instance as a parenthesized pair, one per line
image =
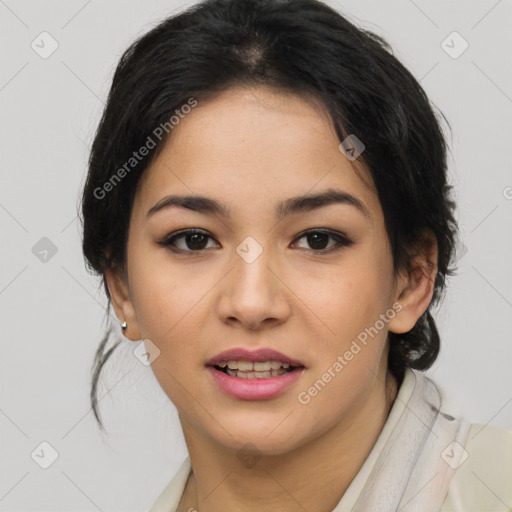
(483, 480)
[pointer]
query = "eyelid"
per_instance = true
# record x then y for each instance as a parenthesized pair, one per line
(340, 237)
(166, 241)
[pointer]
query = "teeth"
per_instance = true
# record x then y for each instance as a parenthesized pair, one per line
(263, 366)
(245, 366)
(255, 375)
(260, 366)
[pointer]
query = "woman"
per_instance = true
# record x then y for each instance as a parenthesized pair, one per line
(267, 204)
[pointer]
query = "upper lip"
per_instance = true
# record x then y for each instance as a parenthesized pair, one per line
(242, 354)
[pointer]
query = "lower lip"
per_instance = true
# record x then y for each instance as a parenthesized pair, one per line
(254, 389)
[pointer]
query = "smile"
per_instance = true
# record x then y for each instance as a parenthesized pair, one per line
(255, 370)
(254, 384)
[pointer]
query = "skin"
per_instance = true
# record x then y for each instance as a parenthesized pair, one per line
(252, 148)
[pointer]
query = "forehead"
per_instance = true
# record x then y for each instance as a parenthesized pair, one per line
(258, 145)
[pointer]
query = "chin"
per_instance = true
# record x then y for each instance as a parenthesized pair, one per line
(258, 446)
(265, 439)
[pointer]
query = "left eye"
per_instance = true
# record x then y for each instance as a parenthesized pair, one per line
(196, 240)
(317, 239)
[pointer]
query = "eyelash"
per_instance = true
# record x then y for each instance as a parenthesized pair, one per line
(341, 239)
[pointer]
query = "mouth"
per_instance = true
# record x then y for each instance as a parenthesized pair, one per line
(254, 374)
(256, 370)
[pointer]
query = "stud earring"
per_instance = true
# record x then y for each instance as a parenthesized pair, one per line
(124, 326)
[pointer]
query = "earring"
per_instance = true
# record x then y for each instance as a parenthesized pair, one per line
(124, 326)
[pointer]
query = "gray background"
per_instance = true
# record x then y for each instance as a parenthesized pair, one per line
(52, 311)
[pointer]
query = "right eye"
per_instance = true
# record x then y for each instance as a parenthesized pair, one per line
(194, 240)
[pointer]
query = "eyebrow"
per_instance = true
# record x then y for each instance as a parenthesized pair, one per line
(287, 207)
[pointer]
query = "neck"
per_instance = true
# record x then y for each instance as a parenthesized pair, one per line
(328, 464)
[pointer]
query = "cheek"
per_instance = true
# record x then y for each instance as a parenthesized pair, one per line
(349, 359)
(161, 294)
(169, 313)
(349, 298)
(164, 301)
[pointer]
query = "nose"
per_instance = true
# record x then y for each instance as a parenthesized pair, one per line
(254, 293)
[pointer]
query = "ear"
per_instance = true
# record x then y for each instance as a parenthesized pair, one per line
(415, 286)
(123, 307)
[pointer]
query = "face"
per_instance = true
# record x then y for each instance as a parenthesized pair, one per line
(304, 279)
